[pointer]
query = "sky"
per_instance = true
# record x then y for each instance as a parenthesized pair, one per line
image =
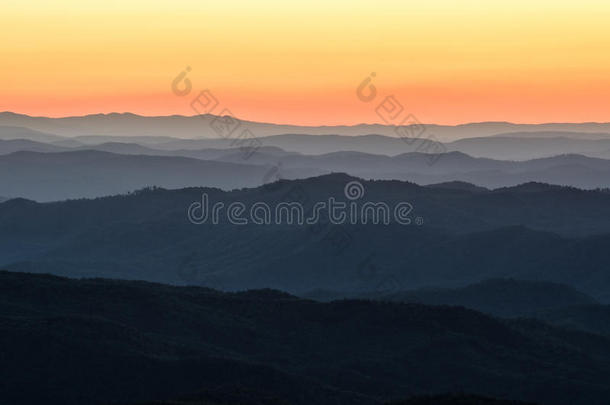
(445, 62)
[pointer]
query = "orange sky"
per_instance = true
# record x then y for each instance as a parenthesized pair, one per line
(301, 62)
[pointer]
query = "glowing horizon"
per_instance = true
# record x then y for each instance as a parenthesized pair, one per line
(300, 64)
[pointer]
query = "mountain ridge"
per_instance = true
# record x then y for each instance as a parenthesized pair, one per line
(461, 239)
(183, 340)
(74, 126)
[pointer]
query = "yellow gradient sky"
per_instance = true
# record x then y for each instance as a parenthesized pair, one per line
(300, 62)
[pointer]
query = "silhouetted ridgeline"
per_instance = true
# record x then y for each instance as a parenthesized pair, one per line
(59, 176)
(46, 167)
(557, 304)
(589, 318)
(530, 232)
(499, 297)
(48, 172)
(120, 124)
(109, 341)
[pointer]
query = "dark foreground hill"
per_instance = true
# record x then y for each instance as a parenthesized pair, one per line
(244, 397)
(589, 318)
(94, 341)
(458, 399)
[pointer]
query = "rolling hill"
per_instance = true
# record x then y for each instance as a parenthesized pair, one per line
(498, 297)
(48, 169)
(86, 174)
(545, 233)
(589, 318)
(9, 132)
(107, 341)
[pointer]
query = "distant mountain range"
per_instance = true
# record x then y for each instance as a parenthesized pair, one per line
(515, 148)
(127, 124)
(496, 145)
(9, 132)
(86, 174)
(102, 341)
(42, 172)
(555, 134)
